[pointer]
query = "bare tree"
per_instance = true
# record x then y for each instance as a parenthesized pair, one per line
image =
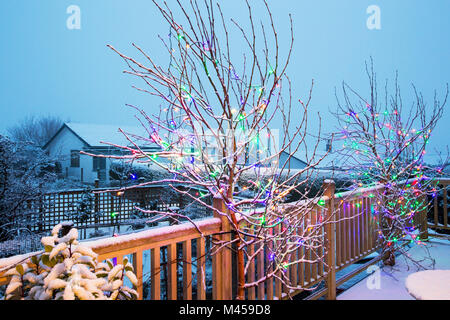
(384, 142)
(217, 130)
(25, 171)
(38, 130)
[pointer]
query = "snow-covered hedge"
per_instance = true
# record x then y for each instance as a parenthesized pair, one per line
(67, 270)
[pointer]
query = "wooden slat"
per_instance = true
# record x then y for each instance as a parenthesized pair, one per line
(217, 275)
(201, 293)
(435, 207)
(277, 281)
(359, 233)
(363, 226)
(374, 232)
(187, 270)
(294, 267)
(367, 214)
(314, 252)
(251, 273)
(269, 282)
(172, 271)
(119, 258)
(353, 231)
(320, 250)
(330, 244)
(348, 233)
(338, 234)
(227, 264)
(370, 202)
(445, 207)
(284, 287)
(356, 224)
(155, 273)
(343, 236)
(368, 219)
(370, 232)
(357, 229)
(307, 251)
(301, 266)
(260, 272)
(138, 265)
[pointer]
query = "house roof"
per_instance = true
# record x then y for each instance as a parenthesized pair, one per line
(295, 157)
(94, 134)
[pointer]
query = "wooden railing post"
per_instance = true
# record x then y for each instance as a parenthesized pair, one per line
(421, 222)
(138, 266)
(330, 245)
(222, 286)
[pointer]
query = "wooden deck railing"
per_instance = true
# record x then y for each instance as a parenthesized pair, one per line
(350, 236)
(440, 218)
(161, 240)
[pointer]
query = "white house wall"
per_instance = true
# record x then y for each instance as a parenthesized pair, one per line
(61, 147)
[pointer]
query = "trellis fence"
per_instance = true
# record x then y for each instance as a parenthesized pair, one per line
(93, 209)
(105, 207)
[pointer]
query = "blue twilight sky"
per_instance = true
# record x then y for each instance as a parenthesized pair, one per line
(48, 69)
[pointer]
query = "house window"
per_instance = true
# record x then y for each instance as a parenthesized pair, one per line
(75, 158)
(98, 163)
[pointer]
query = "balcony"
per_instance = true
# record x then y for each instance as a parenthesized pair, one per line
(180, 262)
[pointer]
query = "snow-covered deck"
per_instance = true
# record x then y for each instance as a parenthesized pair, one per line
(391, 284)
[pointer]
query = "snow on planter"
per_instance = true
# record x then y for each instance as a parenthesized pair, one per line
(429, 285)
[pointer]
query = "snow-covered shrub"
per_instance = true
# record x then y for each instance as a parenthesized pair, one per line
(67, 270)
(128, 174)
(83, 208)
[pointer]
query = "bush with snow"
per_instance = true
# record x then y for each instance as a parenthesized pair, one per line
(67, 270)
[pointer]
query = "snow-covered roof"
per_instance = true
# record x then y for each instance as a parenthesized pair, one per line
(95, 134)
(329, 162)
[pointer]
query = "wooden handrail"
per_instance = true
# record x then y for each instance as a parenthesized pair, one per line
(154, 237)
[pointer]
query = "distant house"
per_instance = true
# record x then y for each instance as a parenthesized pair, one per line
(72, 138)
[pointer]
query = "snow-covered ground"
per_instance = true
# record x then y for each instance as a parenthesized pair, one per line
(388, 283)
(429, 285)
